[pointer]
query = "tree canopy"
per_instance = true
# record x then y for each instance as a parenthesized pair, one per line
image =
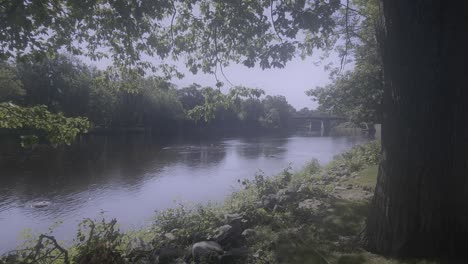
(141, 36)
(357, 93)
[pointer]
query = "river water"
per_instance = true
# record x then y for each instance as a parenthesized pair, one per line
(131, 177)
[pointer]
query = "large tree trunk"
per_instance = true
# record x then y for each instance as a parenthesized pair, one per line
(420, 207)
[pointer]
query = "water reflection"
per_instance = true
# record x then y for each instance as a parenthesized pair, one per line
(130, 177)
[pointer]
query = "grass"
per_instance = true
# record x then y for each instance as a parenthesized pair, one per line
(366, 178)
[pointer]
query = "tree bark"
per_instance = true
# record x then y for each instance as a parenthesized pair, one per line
(420, 206)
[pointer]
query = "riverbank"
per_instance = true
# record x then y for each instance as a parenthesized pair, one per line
(314, 216)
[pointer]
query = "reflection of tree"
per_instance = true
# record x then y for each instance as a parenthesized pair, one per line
(197, 155)
(95, 162)
(251, 148)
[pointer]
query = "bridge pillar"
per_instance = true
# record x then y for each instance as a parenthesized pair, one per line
(324, 127)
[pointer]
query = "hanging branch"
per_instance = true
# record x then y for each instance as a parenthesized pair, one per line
(345, 55)
(172, 22)
(218, 61)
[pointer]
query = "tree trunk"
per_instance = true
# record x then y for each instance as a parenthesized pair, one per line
(420, 206)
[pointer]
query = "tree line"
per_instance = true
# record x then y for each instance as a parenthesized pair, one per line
(63, 84)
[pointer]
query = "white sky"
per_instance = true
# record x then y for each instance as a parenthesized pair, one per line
(292, 81)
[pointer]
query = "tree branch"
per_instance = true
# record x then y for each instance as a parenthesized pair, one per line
(343, 58)
(273, 20)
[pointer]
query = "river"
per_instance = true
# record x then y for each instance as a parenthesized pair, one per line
(130, 177)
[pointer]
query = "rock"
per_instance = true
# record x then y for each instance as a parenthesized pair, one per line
(228, 235)
(223, 232)
(248, 233)
(321, 183)
(234, 255)
(137, 245)
(206, 249)
(276, 208)
(197, 237)
(349, 187)
(40, 204)
(258, 204)
(180, 261)
(342, 172)
(170, 236)
(258, 253)
(339, 188)
(310, 204)
(269, 201)
(168, 254)
(284, 199)
(233, 219)
(304, 189)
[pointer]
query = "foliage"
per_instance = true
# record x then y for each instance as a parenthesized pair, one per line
(97, 243)
(62, 83)
(46, 251)
(360, 156)
(277, 112)
(215, 99)
(187, 223)
(11, 87)
(57, 128)
(357, 94)
(190, 96)
(200, 31)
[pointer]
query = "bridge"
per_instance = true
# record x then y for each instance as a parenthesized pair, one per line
(316, 121)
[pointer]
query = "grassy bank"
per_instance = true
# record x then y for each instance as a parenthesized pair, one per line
(314, 216)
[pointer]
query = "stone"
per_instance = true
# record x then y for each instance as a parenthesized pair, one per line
(304, 188)
(258, 204)
(310, 204)
(228, 235)
(234, 255)
(170, 236)
(223, 232)
(206, 249)
(284, 199)
(168, 254)
(248, 233)
(339, 188)
(234, 219)
(269, 201)
(137, 245)
(258, 253)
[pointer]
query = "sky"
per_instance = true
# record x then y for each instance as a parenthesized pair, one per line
(292, 81)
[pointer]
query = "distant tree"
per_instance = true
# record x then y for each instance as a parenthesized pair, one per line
(191, 96)
(251, 111)
(11, 87)
(62, 83)
(358, 93)
(277, 111)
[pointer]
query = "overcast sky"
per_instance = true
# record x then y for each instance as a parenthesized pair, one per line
(292, 81)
